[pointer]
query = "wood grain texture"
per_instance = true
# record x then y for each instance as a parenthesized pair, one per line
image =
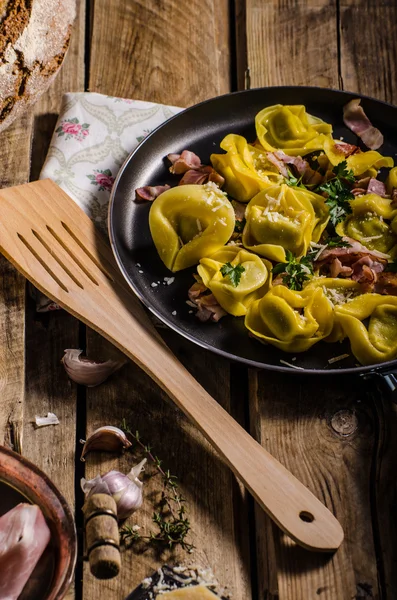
(368, 66)
(47, 387)
(368, 47)
(290, 417)
(291, 42)
(14, 169)
(306, 429)
(162, 44)
(162, 50)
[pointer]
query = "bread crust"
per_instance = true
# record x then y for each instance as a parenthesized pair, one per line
(34, 38)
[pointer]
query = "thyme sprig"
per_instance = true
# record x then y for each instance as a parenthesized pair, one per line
(171, 521)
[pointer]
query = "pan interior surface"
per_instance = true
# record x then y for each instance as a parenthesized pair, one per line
(201, 129)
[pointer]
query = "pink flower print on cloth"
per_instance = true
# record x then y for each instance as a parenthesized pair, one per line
(72, 129)
(103, 179)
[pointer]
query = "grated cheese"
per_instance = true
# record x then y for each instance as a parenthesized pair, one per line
(199, 225)
(284, 362)
(336, 297)
(372, 237)
(337, 358)
(154, 284)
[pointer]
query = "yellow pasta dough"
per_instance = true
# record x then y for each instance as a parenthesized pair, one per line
(372, 223)
(291, 129)
(245, 168)
(360, 163)
(189, 222)
(254, 282)
(283, 218)
(292, 321)
(376, 341)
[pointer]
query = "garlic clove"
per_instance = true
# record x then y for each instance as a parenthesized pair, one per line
(125, 489)
(85, 371)
(107, 438)
(135, 472)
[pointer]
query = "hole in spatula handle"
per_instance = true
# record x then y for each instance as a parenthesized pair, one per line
(306, 516)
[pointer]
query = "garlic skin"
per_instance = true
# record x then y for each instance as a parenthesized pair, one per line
(84, 371)
(126, 490)
(108, 438)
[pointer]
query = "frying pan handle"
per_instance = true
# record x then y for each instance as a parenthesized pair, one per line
(385, 380)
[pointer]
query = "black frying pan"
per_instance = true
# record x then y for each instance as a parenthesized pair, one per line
(200, 129)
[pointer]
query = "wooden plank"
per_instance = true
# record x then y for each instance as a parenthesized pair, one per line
(47, 335)
(14, 169)
(369, 48)
(368, 64)
(161, 51)
(291, 417)
(292, 42)
(217, 509)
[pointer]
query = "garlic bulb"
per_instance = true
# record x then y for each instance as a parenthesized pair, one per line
(125, 489)
(84, 371)
(106, 438)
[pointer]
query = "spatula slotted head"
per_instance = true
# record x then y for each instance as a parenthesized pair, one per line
(58, 248)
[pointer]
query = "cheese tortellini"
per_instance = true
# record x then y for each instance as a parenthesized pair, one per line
(372, 223)
(189, 222)
(245, 168)
(254, 282)
(283, 218)
(291, 129)
(290, 320)
(296, 242)
(376, 341)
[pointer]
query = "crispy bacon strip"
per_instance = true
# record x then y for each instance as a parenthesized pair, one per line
(376, 187)
(180, 163)
(346, 149)
(149, 193)
(386, 284)
(279, 159)
(355, 119)
(208, 308)
(356, 261)
(201, 176)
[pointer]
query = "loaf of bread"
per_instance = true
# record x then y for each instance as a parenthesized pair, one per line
(34, 37)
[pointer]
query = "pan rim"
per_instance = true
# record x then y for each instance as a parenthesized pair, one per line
(386, 366)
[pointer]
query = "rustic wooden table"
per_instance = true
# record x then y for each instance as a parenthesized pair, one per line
(334, 438)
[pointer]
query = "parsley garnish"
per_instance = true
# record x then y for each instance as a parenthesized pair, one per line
(239, 226)
(293, 181)
(343, 172)
(295, 272)
(339, 192)
(337, 242)
(234, 273)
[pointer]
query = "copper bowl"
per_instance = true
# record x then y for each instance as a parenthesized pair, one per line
(22, 481)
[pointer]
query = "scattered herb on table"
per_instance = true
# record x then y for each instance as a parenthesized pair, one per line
(171, 519)
(234, 273)
(295, 272)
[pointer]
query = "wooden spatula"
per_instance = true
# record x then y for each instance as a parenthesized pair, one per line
(56, 246)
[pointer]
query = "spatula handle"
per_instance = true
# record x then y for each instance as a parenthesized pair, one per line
(288, 502)
(56, 246)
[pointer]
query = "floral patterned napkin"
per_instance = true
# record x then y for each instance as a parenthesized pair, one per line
(92, 138)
